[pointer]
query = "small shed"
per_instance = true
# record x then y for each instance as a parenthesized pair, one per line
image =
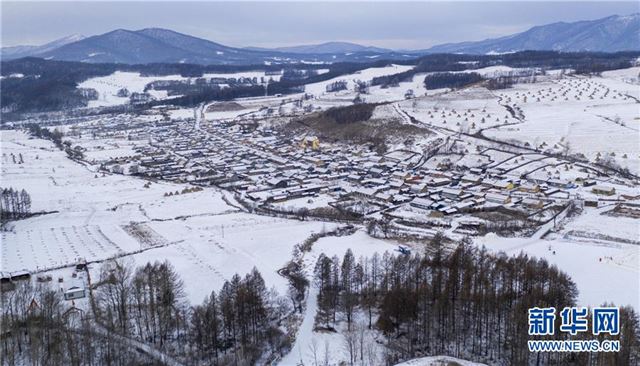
(74, 292)
(603, 190)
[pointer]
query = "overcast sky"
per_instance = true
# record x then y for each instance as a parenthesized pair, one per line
(410, 25)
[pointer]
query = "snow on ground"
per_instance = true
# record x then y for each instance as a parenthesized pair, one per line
(202, 203)
(495, 71)
(243, 74)
(603, 270)
(308, 202)
(210, 249)
(579, 111)
(202, 236)
(108, 86)
(593, 223)
(181, 113)
(307, 339)
(461, 110)
(439, 361)
(366, 75)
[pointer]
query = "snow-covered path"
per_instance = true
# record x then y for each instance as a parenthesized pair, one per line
(137, 346)
(310, 346)
(304, 337)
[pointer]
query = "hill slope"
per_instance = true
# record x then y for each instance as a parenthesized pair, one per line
(332, 47)
(610, 34)
(24, 51)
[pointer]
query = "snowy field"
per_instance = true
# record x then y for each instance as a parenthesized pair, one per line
(202, 236)
(439, 361)
(604, 270)
(366, 75)
(108, 86)
(210, 249)
(579, 111)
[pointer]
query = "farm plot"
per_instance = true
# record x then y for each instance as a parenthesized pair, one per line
(217, 247)
(90, 209)
(202, 203)
(525, 163)
(468, 110)
(573, 116)
(366, 75)
(40, 247)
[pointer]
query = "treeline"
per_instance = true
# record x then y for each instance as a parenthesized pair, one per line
(39, 328)
(54, 136)
(465, 303)
(297, 74)
(237, 326)
(46, 85)
(50, 85)
(195, 97)
(14, 204)
(336, 86)
(582, 62)
(350, 114)
(451, 80)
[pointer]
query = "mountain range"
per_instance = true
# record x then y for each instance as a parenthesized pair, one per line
(156, 45)
(23, 51)
(610, 34)
(327, 47)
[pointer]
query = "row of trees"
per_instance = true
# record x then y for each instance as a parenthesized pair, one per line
(451, 80)
(239, 325)
(44, 133)
(336, 86)
(55, 136)
(14, 204)
(466, 303)
(39, 328)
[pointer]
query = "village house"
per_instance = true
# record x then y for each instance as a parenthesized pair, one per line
(74, 292)
(497, 198)
(529, 187)
(532, 203)
(603, 190)
(422, 203)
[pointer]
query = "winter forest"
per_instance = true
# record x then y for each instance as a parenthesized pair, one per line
(467, 303)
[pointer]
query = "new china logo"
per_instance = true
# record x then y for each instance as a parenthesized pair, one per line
(574, 320)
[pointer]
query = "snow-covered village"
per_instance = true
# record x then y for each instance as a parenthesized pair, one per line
(386, 208)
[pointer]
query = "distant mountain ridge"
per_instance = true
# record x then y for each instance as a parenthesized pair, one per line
(332, 47)
(610, 34)
(24, 51)
(147, 46)
(156, 45)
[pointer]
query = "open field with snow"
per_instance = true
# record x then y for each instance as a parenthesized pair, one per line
(575, 113)
(108, 86)
(202, 236)
(601, 254)
(512, 138)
